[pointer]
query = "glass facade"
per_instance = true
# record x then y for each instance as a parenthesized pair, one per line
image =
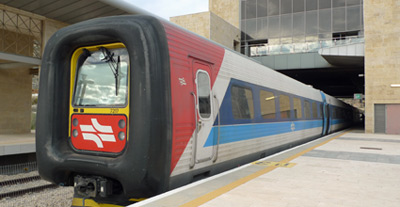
(292, 26)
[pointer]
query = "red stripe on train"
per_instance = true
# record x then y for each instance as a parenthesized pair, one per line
(184, 49)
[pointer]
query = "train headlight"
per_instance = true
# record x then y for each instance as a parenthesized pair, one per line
(121, 136)
(75, 133)
(121, 123)
(75, 122)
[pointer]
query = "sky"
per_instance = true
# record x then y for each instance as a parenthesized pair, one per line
(171, 8)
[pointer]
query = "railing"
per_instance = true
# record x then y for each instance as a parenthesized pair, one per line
(305, 47)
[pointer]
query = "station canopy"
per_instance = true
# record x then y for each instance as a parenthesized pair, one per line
(73, 11)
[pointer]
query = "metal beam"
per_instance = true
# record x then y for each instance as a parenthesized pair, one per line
(11, 61)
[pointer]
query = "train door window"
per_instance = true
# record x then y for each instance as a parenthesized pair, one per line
(284, 106)
(321, 111)
(242, 103)
(297, 108)
(314, 110)
(267, 104)
(307, 109)
(204, 94)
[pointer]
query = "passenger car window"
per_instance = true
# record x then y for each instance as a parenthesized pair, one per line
(242, 103)
(267, 104)
(284, 106)
(297, 108)
(307, 109)
(314, 110)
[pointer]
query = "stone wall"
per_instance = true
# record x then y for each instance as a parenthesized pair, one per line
(224, 33)
(382, 55)
(227, 10)
(210, 26)
(15, 104)
(198, 23)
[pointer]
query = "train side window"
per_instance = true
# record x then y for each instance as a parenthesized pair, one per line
(314, 110)
(242, 103)
(204, 90)
(307, 109)
(267, 104)
(284, 106)
(297, 108)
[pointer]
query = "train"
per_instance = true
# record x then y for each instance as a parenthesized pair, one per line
(133, 106)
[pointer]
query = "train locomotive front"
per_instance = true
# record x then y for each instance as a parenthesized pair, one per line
(104, 114)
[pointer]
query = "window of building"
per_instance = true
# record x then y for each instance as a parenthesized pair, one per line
(298, 6)
(286, 6)
(311, 5)
(298, 24)
(262, 9)
(307, 109)
(314, 110)
(286, 25)
(325, 4)
(273, 26)
(338, 19)
(251, 6)
(312, 22)
(338, 3)
(353, 18)
(298, 21)
(242, 103)
(267, 104)
(273, 7)
(251, 28)
(325, 21)
(297, 108)
(352, 2)
(284, 106)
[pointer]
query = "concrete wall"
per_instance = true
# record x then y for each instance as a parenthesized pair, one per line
(49, 28)
(15, 104)
(382, 55)
(16, 82)
(227, 10)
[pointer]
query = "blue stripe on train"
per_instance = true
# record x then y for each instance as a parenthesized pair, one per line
(235, 133)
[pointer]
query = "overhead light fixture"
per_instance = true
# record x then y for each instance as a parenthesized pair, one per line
(395, 85)
(270, 98)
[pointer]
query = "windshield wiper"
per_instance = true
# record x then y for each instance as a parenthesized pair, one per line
(114, 65)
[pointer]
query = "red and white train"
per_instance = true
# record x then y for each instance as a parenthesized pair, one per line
(133, 106)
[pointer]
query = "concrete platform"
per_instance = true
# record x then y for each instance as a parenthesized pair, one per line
(12, 144)
(344, 169)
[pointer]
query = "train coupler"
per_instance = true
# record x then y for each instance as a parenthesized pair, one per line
(90, 187)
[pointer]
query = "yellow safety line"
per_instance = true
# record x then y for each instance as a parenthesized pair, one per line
(211, 195)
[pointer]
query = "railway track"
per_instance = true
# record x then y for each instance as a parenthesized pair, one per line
(21, 186)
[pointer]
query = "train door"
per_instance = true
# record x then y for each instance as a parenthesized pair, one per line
(325, 115)
(204, 111)
(327, 118)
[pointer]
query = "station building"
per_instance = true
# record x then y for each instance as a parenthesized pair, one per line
(333, 45)
(346, 48)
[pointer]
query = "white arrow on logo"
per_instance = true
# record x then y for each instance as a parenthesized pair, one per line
(100, 128)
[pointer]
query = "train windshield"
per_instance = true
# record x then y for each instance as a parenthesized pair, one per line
(102, 78)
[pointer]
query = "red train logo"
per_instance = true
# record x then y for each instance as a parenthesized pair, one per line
(105, 133)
